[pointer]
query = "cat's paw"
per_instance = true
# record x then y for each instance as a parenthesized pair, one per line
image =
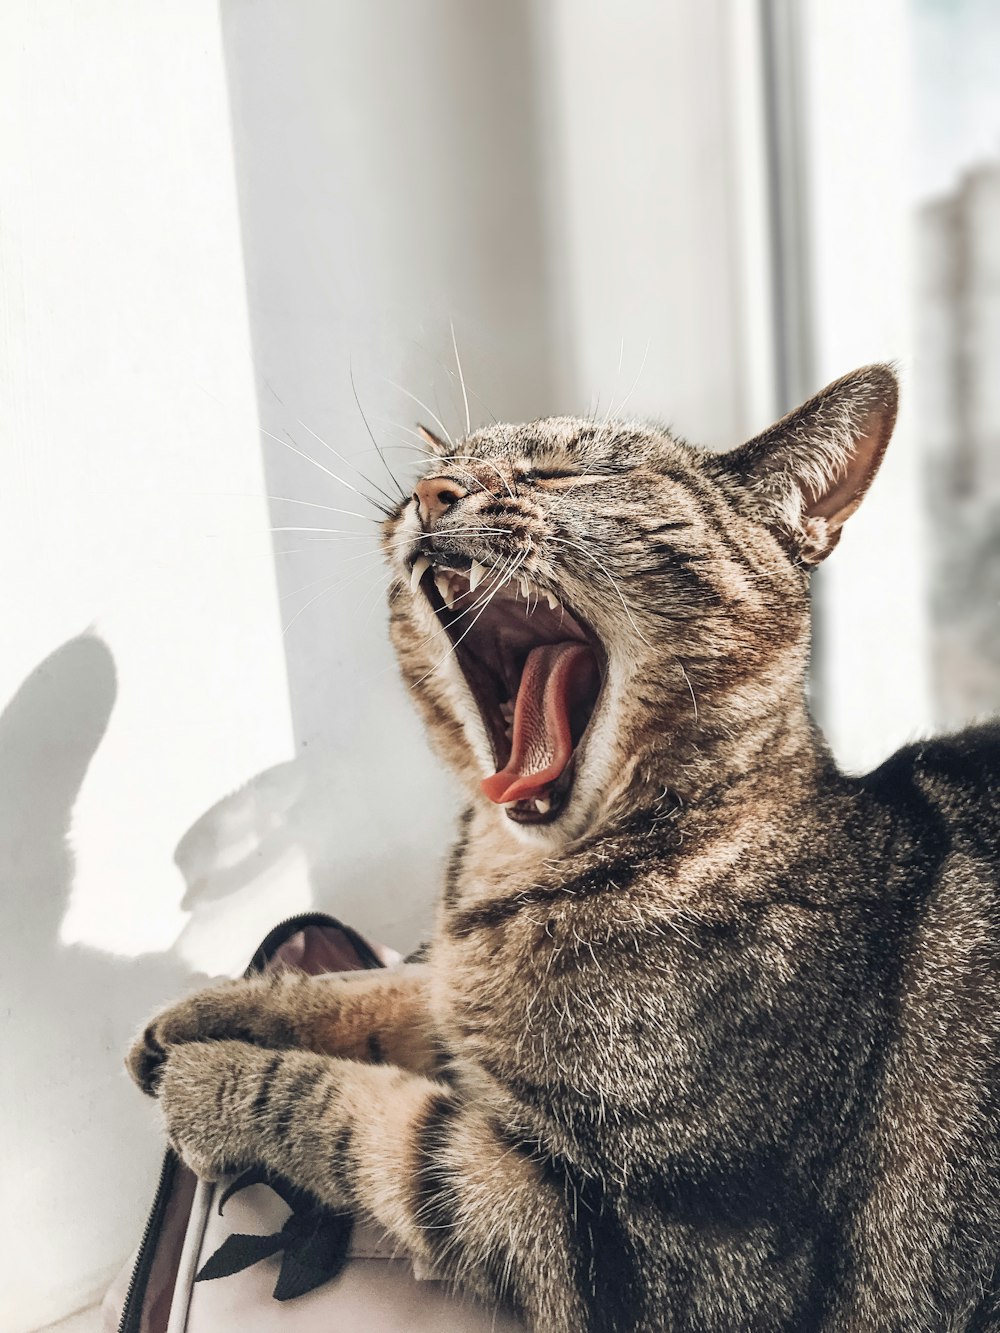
(204, 1115)
(233, 1009)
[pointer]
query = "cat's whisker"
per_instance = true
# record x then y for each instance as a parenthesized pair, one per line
(344, 459)
(461, 379)
(500, 577)
(687, 681)
(337, 532)
(496, 580)
(363, 555)
(407, 430)
(590, 555)
(433, 415)
(345, 583)
(618, 375)
(288, 444)
(510, 570)
(635, 382)
(472, 393)
(288, 499)
(371, 436)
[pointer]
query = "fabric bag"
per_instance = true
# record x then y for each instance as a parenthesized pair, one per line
(255, 1256)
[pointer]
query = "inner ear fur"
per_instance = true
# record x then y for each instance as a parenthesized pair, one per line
(806, 474)
(437, 445)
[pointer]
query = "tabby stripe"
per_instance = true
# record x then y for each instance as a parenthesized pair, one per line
(375, 1052)
(292, 1096)
(608, 876)
(607, 1271)
(717, 513)
(330, 1091)
(340, 1156)
(457, 858)
(433, 1185)
(260, 1102)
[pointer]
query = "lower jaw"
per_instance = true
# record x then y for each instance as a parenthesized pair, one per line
(556, 794)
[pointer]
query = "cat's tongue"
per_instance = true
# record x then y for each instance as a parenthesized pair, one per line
(556, 677)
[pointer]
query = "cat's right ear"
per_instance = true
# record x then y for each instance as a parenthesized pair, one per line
(808, 472)
(437, 446)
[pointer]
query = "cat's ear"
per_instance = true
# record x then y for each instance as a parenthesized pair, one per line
(437, 446)
(808, 472)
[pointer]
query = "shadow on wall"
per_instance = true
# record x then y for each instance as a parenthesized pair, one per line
(303, 835)
(80, 1150)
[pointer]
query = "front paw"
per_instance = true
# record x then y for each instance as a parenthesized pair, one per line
(234, 1009)
(201, 1088)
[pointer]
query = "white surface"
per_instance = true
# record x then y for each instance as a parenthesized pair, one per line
(142, 675)
(84, 1321)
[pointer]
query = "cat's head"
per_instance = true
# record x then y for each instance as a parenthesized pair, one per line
(593, 613)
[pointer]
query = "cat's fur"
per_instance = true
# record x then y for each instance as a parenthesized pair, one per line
(717, 1048)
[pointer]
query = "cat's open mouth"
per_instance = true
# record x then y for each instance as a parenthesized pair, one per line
(534, 670)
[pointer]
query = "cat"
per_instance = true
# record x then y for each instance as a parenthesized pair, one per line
(707, 1036)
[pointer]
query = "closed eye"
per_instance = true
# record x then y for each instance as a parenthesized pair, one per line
(556, 477)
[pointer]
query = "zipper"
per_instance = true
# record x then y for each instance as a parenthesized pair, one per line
(135, 1293)
(144, 1257)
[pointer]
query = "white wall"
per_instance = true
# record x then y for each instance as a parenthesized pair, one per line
(859, 155)
(654, 213)
(142, 675)
(388, 162)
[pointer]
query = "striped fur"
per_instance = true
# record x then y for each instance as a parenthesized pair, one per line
(717, 1048)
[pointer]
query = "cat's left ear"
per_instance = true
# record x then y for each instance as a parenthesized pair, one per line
(436, 445)
(808, 473)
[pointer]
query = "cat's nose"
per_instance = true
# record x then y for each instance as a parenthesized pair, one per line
(435, 496)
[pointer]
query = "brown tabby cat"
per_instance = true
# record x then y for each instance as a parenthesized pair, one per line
(708, 1034)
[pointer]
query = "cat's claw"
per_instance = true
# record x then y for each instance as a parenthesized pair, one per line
(231, 1009)
(145, 1061)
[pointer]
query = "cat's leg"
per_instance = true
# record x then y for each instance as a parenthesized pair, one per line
(437, 1173)
(376, 1015)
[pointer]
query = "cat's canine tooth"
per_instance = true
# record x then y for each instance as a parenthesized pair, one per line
(477, 573)
(525, 587)
(552, 600)
(443, 581)
(420, 566)
(543, 804)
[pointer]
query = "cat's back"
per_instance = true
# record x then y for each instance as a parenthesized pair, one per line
(944, 795)
(929, 1227)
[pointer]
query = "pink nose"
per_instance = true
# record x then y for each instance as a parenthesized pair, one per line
(435, 496)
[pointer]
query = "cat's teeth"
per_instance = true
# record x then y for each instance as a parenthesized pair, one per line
(543, 804)
(420, 566)
(477, 573)
(443, 581)
(552, 600)
(525, 587)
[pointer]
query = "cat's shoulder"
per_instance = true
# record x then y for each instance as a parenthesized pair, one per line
(957, 773)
